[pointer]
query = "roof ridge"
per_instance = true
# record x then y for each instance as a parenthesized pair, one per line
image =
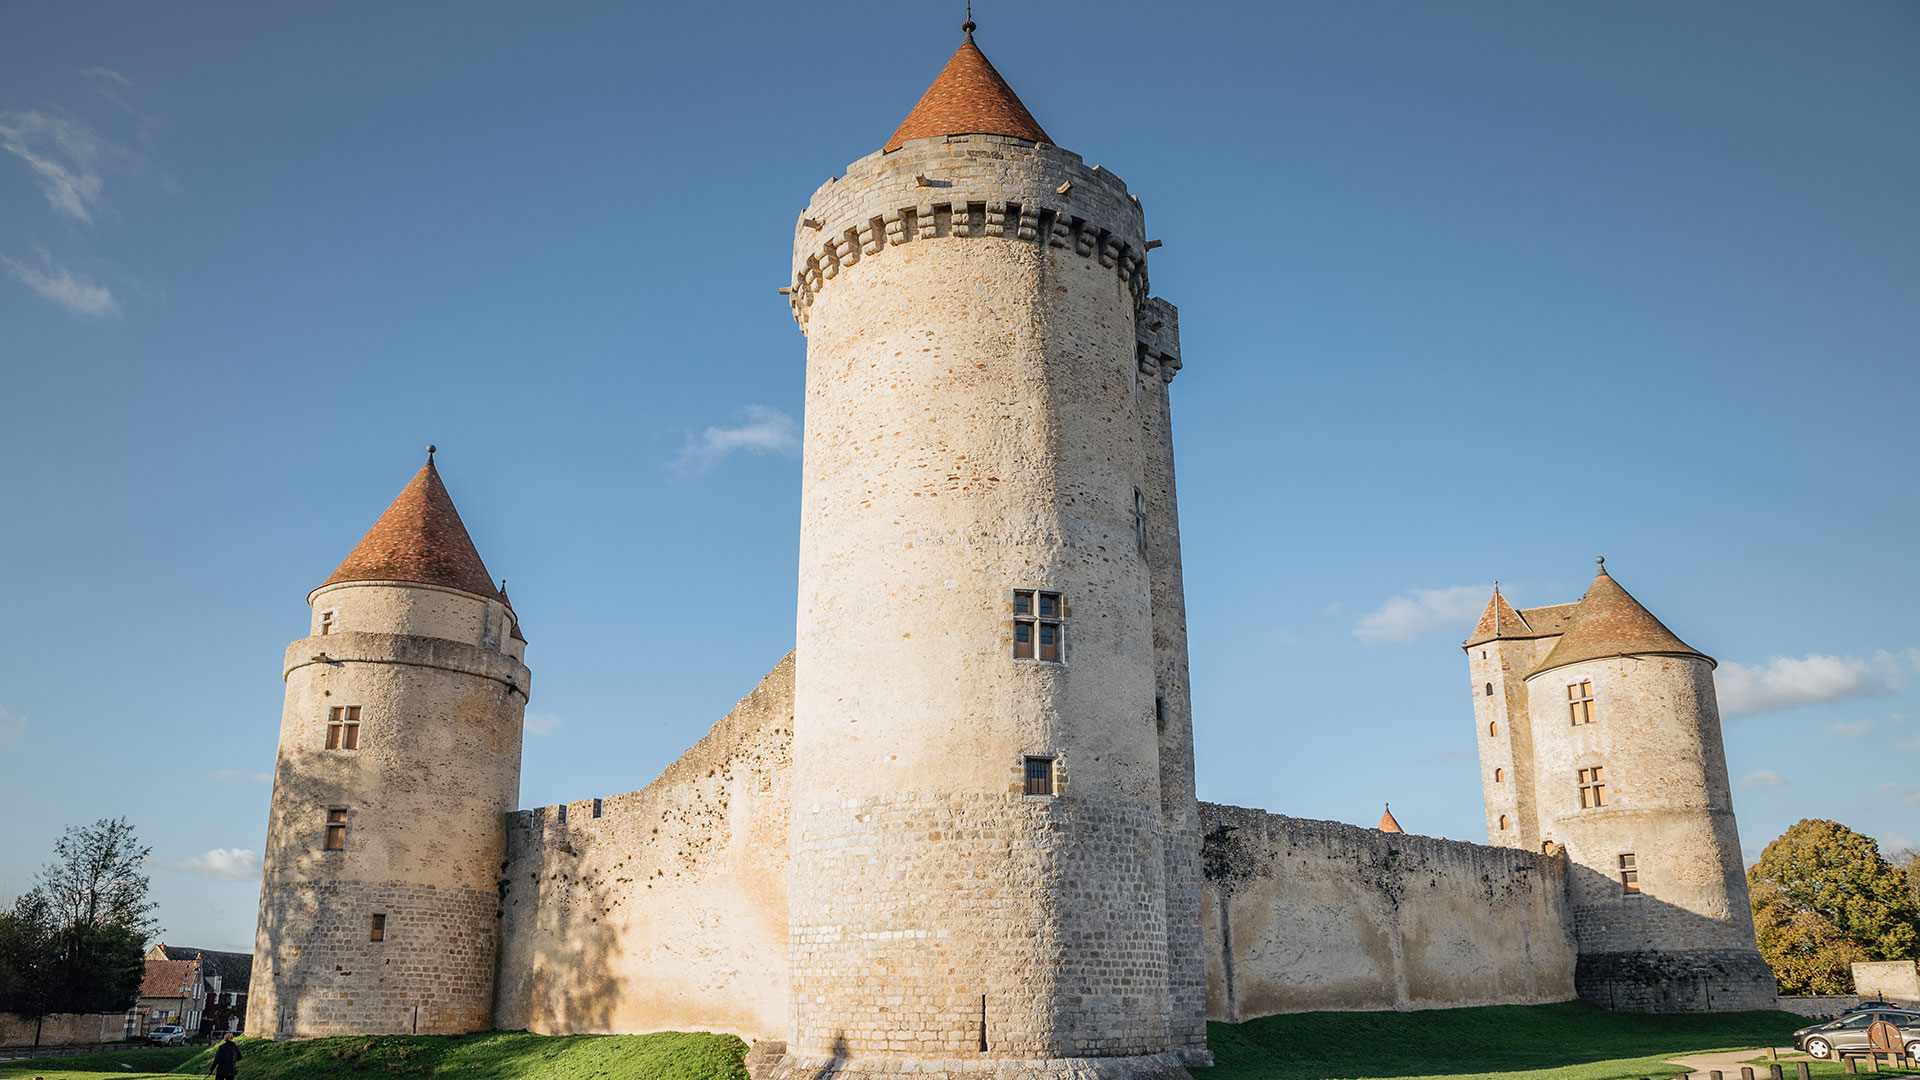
(1609, 622)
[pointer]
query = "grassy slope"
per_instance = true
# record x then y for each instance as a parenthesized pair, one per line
(492, 1056)
(1570, 1041)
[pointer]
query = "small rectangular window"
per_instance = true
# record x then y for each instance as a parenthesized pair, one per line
(1630, 874)
(343, 727)
(379, 931)
(563, 813)
(598, 806)
(1593, 787)
(1140, 520)
(1039, 776)
(1039, 632)
(337, 829)
(1580, 702)
(326, 623)
(1160, 713)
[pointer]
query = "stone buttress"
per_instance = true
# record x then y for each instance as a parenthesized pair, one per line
(399, 759)
(995, 843)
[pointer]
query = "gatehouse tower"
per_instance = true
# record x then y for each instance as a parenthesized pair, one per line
(1599, 737)
(399, 759)
(995, 842)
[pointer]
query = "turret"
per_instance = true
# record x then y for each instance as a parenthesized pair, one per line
(399, 759)
(994, 833)
(1625, 772)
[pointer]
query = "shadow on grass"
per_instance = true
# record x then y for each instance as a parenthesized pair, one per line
(497, 1055)
(1500, 1039)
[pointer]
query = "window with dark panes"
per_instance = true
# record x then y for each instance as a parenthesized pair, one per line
(1039, 776)
(1039, 632)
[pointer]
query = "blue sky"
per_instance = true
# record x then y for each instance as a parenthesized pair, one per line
(1469, 291)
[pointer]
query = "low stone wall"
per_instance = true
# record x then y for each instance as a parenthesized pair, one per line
(1897, 981)
(1303, 916)
(63, 1029)
(1819, 1006)
(668, 909)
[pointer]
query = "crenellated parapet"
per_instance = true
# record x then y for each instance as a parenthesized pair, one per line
(967, 187)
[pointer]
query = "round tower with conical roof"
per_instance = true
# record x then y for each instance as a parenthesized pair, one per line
(1616, 757)
(995, 849)
(399, 760)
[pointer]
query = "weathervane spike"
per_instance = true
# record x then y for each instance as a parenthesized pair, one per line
(967, 26)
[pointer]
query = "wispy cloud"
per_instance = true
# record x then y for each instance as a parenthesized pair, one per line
(1763, 780)
(12, 725)
(1908, 795)
(1893, 843)
(63, 151)
(1419, 612)
(762, 430)
(242, 774)
(62, 286)
(221, 864)
(1785, 682)
(542, 723)
(106, 73)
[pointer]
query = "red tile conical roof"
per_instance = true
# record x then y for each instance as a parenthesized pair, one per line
(1499, 621)
(420, 538)
(968, 98)
(1608, 621)
(1388, 824)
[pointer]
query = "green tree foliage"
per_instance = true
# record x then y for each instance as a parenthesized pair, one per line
(76, 942)
(1823, 897)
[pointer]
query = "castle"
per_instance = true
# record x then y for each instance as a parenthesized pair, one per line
(956, 830)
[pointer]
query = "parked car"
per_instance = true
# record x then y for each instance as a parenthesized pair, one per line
(1869, 1006)
(1848, 1035)
(168, 1035)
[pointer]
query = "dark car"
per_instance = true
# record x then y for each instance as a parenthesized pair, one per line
(1848, 1035)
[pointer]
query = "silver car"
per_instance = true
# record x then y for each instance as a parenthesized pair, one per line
(1848, 1035)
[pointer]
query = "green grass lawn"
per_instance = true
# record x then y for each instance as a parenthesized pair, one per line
(493, 1056)
(1568, 1041)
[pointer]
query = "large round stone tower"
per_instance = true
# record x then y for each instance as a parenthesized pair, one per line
(995, 850)
(399, 759)
(1605, 743)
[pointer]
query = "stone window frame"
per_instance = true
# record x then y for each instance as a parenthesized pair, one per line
(1630, 874)
(1036, 624)
(326, 621)
(377, 928)
(599, 807)
(1499, 775)
(1140, 521)
(1505, 824)
(334, 837)
(343, 727)
(1055, 776)
(1580, 706)
(1592, 785)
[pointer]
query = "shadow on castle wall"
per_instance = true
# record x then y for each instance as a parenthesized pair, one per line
(1303, 916)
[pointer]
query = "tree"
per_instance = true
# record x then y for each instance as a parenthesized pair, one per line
(1824, 897)
(76, 942)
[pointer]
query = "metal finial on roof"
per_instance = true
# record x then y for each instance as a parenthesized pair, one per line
(430, 452)
(967, 26)
(1602, 560)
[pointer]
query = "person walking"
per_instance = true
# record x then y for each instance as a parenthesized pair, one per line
(226, 1060)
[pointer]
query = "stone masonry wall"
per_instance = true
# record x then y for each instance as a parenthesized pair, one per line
(1310, 915)
(63, 1029)
(668, 910)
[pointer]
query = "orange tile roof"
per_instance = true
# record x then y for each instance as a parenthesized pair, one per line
(968, 98)
(167, 978)
(1388, 824)
(419, 538)
(1498, 621)
(1608, 621)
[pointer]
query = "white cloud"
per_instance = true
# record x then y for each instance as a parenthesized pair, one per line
(242, 774)
(1855, 730)
(1785, 682)
(763, 430)
(105, 73)
(1419, 612)
(1908, 795)
(221, 864)
(1764, 780)
(58, 284)
(542, 723)
(12, 725)
(1893, 843)
(63, 152)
